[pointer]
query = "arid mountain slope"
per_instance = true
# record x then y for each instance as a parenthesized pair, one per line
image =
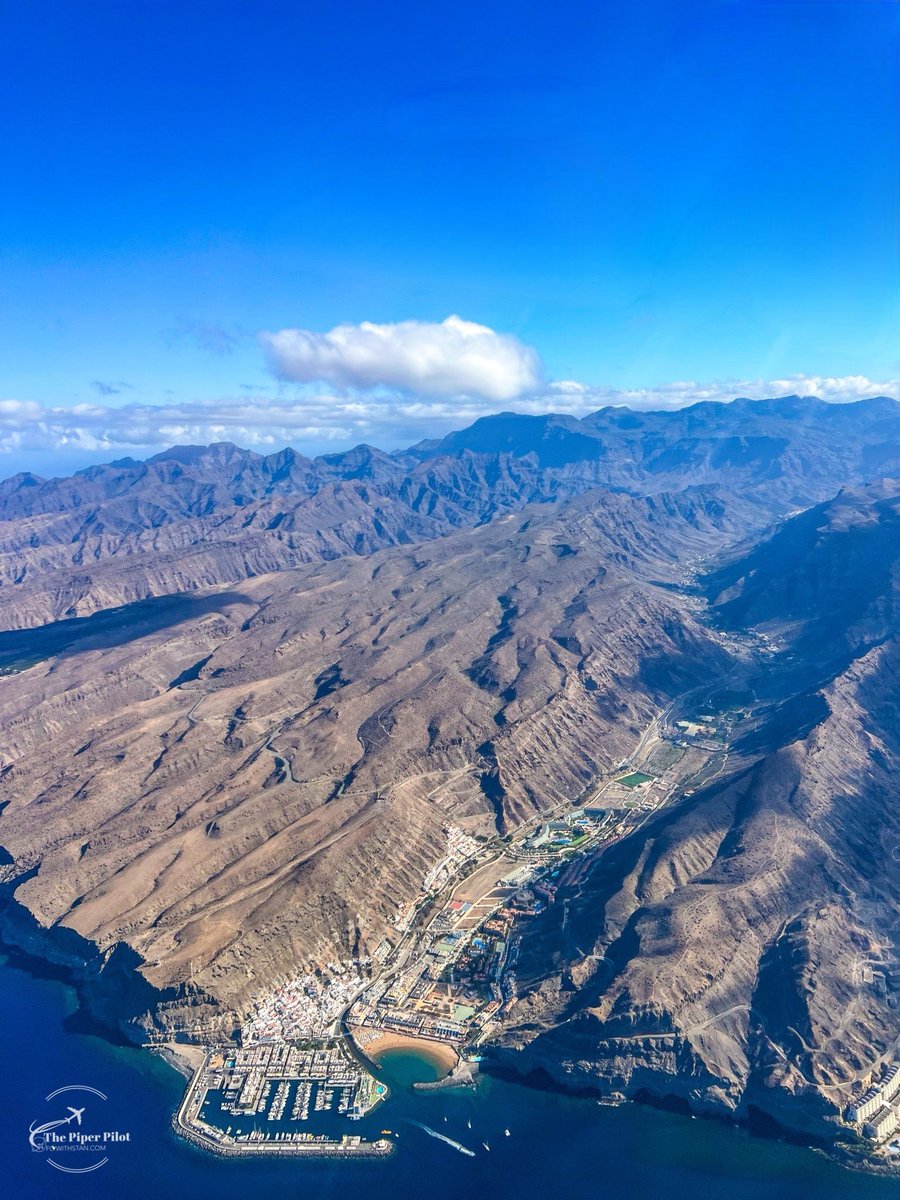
(826, 581)
(197, 516)
(263, 780)
(743, 953)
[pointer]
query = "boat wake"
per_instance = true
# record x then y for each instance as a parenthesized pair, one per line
(441, 1137)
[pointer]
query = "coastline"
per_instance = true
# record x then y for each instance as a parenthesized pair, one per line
(847, 1155)
(851, 1159)
(100, 995)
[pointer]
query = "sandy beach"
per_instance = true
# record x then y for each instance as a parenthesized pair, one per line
(184, 1058)
(438, 1052)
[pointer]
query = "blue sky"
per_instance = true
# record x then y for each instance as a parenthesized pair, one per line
(655, 200)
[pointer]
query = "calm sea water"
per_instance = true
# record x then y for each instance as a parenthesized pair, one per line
(560, 1148)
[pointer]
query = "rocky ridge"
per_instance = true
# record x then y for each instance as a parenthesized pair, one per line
(741, 954)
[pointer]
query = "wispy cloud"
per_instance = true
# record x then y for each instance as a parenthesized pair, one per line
(315, 422)
(434, 359)
(210, 336)
(104, 388)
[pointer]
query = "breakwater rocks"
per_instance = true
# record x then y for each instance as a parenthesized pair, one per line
(462, 1075)
(349, 1147)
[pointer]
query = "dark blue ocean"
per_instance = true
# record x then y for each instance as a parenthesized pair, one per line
(558, 1148)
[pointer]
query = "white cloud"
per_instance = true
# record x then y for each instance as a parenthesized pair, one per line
(316, 423)
(450, 358)
(837, 389)
(578, 399)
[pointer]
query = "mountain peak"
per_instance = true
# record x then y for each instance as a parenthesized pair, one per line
(189, 454)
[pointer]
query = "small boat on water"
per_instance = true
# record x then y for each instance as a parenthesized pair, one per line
(469, 1122)
(506, 1133)
(486, 1146)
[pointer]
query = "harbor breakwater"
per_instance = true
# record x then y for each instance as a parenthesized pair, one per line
(380, 1149)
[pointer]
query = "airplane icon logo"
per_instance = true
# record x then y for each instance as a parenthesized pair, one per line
(75, 1114)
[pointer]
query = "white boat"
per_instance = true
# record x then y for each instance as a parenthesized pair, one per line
(486, 1146)
(506, 1133)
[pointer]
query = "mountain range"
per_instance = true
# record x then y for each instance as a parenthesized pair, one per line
(196, 516)
(243, 695)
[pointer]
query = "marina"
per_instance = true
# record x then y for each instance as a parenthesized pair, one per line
(278, 1098)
